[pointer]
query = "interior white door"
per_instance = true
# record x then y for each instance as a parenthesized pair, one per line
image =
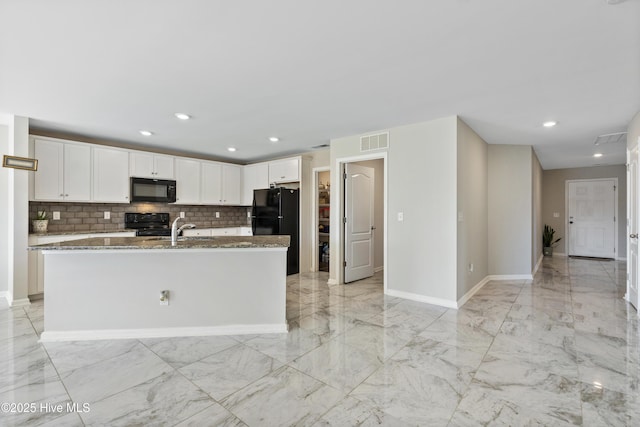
(358, 241)
(632, 227)
(592, 218)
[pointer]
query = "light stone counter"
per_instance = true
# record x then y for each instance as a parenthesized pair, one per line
(151, 242)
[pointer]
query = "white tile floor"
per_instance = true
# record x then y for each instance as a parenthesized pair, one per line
(561, 350)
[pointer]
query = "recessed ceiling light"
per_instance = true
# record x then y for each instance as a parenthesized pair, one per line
(146, 133)
(274, 139)
(182, 116)
(549, 124)
(232, 149)
(597, 155)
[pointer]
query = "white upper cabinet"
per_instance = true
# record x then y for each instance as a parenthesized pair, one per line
(211, 183)
(150, 165)
(254, 177)
(64, 171)
(231, 183)
(285, 170)
(188, 181)
(220, 183)
(110, 175)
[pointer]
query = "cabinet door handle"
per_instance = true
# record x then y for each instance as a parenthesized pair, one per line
(282, 177)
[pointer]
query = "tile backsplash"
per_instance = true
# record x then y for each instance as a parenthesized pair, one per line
(90, 216)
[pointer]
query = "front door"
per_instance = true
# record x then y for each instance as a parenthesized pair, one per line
(358, 242)
(592, 219)
(632, 226)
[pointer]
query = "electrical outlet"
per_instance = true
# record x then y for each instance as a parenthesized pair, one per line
(400, 216)
(107, 215)
(56, 215)
(217, 214)
(181, 214)
(470, 268)
(248, 214)
(164, 297)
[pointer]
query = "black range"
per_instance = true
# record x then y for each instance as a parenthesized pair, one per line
(148, 224)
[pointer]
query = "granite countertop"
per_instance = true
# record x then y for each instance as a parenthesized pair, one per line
(152, 242)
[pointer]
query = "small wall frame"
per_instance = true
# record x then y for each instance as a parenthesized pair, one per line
(19, 163)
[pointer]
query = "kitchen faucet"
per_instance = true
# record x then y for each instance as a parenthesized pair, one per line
(175, 230)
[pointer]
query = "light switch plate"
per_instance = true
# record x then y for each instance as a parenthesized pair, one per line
(400, 216)
(56, 215)
(556, 214)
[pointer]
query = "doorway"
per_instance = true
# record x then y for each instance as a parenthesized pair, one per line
(376, 161)
(320, 242)
(592, 214)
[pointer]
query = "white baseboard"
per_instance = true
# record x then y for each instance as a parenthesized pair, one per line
(378, 269)
(23, 302)
(538, 264)
(5, 295)
(110, 334)
(422, 298)
(466, 297)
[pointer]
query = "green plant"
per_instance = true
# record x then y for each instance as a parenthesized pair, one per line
(547, 237)
(42, 215)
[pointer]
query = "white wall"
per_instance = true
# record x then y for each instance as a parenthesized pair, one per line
(633, 131)
(510, 209)
(421, 168)
(4, 214)
(472, 208)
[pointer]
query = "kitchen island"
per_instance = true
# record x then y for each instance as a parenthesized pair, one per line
(140, 287)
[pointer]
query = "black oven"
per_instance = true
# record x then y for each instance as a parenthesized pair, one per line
(153, 190)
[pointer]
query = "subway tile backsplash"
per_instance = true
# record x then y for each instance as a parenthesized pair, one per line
(89, 217)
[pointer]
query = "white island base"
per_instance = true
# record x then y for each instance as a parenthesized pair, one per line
(109, 294)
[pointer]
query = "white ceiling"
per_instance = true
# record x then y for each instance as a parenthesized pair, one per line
(309, 71)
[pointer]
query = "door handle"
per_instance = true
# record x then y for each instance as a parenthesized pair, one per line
(633, 236)
(570, 222)
(373, 228)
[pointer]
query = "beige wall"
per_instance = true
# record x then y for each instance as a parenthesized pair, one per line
(536, 230)
(510, 209)
(472, 208)
(378, 214)
(553, 190)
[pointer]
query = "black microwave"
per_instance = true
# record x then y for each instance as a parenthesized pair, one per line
(153, 190)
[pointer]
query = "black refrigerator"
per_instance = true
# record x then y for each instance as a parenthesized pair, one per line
(276, 211)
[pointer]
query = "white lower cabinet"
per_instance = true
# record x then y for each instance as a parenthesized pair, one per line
(36, 260)
(220, 231)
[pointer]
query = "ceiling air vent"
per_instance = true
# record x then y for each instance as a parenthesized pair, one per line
(378, 141)
(611, 138)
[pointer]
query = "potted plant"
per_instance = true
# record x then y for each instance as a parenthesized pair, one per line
(41, 222)
(547, 240)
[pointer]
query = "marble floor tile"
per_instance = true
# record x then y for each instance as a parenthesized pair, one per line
(286, 347)
(229, 370)
(353, 412)
(214, 416)
(561, 349)
(40, 397)
(601, 406)
(182, 351)
(338, 364)
(380, 341)
(410, 394)
(71, 355)
(94, 382)
(284, 397)
(163, 400)
(458, 335)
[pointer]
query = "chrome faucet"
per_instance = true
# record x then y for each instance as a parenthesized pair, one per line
(175, 230)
